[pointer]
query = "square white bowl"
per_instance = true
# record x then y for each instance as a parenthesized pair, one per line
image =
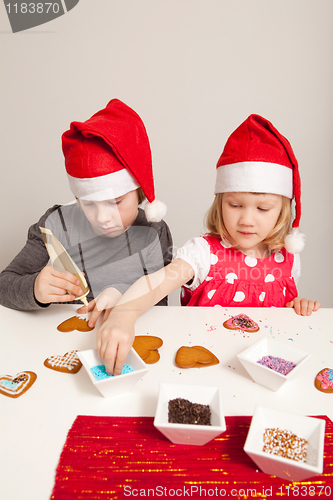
(269, 347)
(190, 433)
(112, 386)
(309, 428)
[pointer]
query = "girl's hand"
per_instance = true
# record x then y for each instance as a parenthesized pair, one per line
(116, 335)
(105, 301)
(56, 286)
(304, 307)
(114, 341)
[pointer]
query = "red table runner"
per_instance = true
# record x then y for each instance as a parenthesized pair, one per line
(127, 457)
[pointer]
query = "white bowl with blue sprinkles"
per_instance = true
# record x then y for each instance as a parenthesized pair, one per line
(110, 385)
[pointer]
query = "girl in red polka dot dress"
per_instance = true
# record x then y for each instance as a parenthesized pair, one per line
(250, 256)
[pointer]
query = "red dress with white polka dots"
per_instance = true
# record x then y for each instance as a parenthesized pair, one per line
(235, 279)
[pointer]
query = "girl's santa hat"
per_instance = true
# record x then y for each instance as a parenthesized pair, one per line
(109, 155)
(258, 159)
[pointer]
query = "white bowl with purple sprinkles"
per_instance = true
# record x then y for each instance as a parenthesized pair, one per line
(286, 445)
(272, 363)
(109, 385)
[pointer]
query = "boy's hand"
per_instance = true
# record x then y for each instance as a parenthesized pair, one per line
(104, 302)
(56, 286)
(304, 307)
(114, 341)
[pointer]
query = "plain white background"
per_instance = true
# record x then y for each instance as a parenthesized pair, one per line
(193, 70)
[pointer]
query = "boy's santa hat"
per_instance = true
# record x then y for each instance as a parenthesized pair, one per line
(109, 155)
(258, 159)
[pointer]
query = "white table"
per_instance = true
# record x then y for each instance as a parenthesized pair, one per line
(34, 426)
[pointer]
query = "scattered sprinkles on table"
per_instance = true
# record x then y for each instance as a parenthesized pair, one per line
(279, 365)
(100, 373)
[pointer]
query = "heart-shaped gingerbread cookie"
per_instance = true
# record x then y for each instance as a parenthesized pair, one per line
(147, 348)
(195, 357)
(14, 387)
(74, 323)
(68, 363)
(241, 322)
(324, 380)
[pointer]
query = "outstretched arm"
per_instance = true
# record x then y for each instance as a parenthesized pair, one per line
(103, 304)
(116, 335)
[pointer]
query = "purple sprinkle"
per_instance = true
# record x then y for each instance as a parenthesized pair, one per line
(279, 365)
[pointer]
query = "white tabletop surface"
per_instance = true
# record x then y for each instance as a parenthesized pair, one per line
(34, 426)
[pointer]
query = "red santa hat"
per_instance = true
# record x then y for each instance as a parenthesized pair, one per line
(109, 155)
(258, 159)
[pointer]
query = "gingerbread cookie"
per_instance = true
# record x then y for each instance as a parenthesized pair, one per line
(147, 348)
(324, 380)
(74, 323)
(14, 387)
(195, 357)
(68, 363)
(241, 322)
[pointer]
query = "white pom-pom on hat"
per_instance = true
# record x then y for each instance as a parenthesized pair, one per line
(294, 241)
(155, 211)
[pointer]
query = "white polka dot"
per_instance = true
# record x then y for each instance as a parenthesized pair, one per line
(217, 305)
(213, 259)
(239, 297)
(250, 261)
(269, 278)
(208, 278)
(231, 277)
(278, 257)
(284, 291)
(211, 293)
(224, 245)
(262, 296)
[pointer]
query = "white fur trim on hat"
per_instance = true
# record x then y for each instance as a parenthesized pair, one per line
(104, 187)
(294, 241)
(155, 211)
(255, 177)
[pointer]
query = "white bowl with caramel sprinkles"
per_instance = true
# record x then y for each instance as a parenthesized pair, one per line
(286, 445)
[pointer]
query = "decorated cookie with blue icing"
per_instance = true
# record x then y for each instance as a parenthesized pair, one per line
(324, 380)
(14, 387)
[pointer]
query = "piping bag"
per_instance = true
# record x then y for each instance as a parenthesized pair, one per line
(60, 259)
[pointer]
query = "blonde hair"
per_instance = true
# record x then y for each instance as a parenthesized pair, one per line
(141, 195)
(274, 241)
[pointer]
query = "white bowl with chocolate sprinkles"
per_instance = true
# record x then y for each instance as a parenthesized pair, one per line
(286, 445)
(189, 414)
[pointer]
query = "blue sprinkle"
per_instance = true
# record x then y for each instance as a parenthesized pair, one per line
(100, 373)
(9, 384)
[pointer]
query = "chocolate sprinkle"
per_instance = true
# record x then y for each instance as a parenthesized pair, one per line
(241, 321)
(182, 411)
(21, 378)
